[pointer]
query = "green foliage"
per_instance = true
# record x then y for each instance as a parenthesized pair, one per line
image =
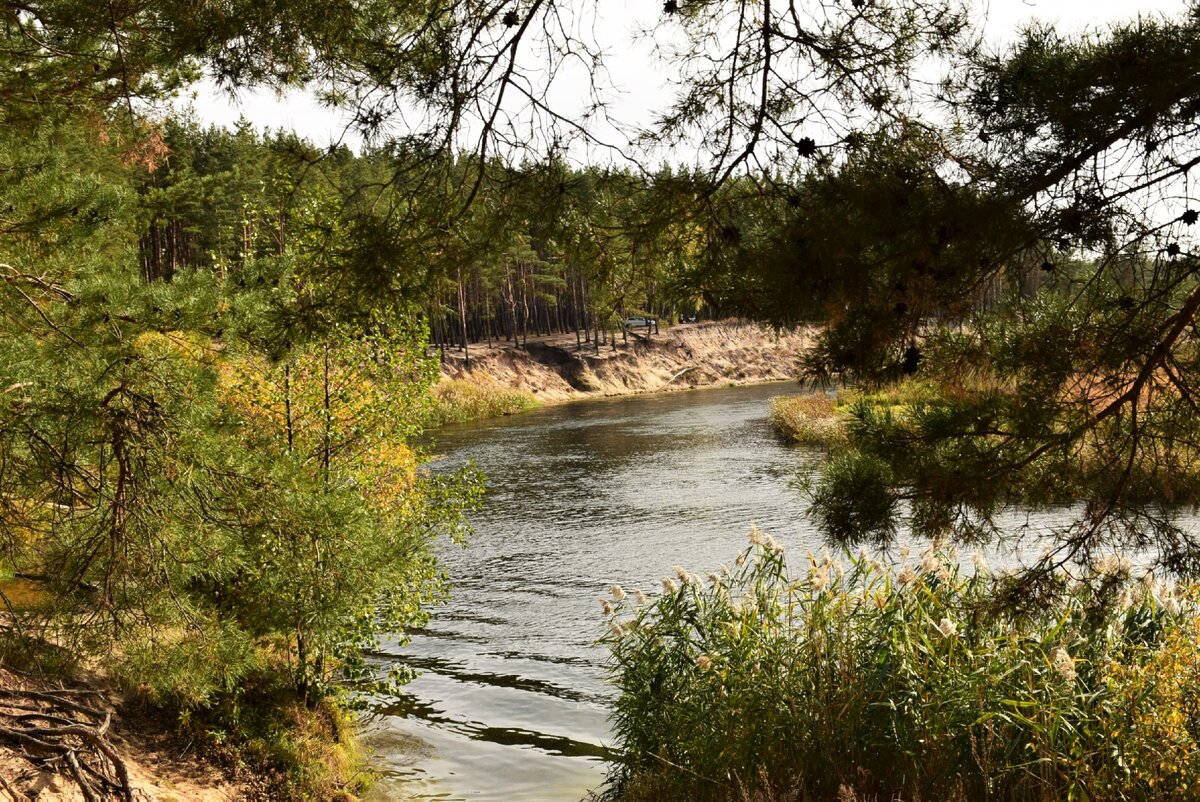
(328, 430)
(189, 666)
(853, 500)
(295, 751)
(819, 418)
(204, 461)
(460, 400)
(1041, 402)
(1034, 263)
(905, 682)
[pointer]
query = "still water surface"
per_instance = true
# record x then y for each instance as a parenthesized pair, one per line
(510, 705)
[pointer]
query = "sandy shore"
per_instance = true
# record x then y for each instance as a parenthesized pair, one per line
(682, 357)
(160, 764)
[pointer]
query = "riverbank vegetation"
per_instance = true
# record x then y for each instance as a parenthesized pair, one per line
(857, 680)
(824, 417)
(460, 400)
(827, 417)
(809, 419)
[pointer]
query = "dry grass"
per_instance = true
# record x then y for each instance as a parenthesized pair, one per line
(811, 419)
(459, 400)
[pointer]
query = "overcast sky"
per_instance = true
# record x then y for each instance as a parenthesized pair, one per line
(632, 72)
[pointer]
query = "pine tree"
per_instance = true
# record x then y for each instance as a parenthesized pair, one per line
(1033, 266)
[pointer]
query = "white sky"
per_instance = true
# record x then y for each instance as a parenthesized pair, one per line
(633, 73)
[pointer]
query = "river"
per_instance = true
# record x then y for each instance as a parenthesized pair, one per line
(510, 705)
(511, 702)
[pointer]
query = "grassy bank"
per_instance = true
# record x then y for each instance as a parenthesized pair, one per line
(809, 419)
(288, 750)
(460, 400)
(858, 681)
(820, 418)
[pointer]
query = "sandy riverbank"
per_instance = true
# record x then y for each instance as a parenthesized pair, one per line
(158, 762)
(681, 357)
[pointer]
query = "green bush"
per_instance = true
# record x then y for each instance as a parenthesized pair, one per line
(819, 419)
(871, 682)
(853, 499)
(290, 749)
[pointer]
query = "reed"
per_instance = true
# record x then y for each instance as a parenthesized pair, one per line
(857, 680)
(811, 419)
(458, 400)
(821, 419)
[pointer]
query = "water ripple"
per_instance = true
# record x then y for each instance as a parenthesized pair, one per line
(511, 701)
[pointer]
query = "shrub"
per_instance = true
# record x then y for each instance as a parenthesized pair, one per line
(853, 499)
(898, 683)
(819, 419)
(289, 750)
(225, 506)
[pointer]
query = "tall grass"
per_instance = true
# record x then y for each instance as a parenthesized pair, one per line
(863, 681)
(820, 419)
(810, 419)
(458, 400)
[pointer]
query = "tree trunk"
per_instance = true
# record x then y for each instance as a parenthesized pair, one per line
(462, 315)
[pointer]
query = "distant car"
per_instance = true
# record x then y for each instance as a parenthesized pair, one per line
(638, 322)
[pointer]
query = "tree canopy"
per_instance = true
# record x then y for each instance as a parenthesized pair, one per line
(206, 457)
(1038, 255)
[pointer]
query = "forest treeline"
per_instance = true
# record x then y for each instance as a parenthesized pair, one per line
(533, 248)
(544, 249)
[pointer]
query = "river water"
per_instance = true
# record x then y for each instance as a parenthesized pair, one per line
(510, 704)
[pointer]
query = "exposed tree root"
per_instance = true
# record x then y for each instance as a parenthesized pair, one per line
(54, 731)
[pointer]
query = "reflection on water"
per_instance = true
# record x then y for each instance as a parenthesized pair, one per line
(510, 704)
